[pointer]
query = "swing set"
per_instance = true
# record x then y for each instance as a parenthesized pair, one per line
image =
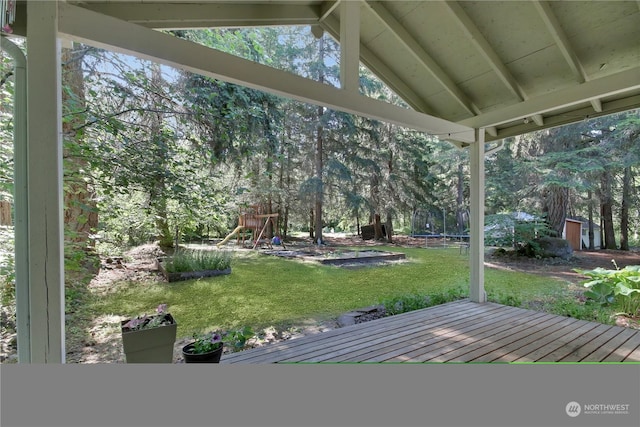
(256, 222)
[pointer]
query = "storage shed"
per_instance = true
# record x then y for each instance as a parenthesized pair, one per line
(576, 231)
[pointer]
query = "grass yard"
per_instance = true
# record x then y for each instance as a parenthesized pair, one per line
(265, 290)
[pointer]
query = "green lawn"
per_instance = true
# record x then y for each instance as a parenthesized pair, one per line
(265, 290)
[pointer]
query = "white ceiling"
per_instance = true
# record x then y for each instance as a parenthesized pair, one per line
(509, 66)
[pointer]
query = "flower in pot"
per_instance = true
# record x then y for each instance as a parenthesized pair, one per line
(205, 348)
(149, 338)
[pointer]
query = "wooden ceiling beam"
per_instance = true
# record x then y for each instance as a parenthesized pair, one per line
(106, 32)
(562, 41)
(207, 15)
(613, 85)
(482, 45)
(381, 70)
(425, 60)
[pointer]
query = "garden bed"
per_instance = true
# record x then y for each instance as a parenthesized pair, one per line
(339, 257)
(187, 275)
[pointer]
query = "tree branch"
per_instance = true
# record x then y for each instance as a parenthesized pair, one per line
(6, 77)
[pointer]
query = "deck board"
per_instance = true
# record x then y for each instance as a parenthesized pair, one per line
(460, 331)
(625, 350)
(530, 342)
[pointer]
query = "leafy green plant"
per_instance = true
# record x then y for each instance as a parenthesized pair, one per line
(601, 293)
(410, 302)
(570, 307)
(7, 267)
(198, 260)
(504, 299)
(204, 343)
(619, 287)
(237, 339)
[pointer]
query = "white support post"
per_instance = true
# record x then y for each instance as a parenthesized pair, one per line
(350, 45)
(44, 145)
(476, 244)
(20, 197)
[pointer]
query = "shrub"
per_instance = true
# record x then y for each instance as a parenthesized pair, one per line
(198, 260)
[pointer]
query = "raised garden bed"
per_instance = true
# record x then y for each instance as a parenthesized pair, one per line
(341, 257)
(187, 275)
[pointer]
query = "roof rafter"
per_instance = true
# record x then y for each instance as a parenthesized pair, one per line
(107, 32)
(615, 84)
(612, 107)
(422, 56)
(562, 41)
(483, 46)
(328, 7)
(207, 15)
(382, 70)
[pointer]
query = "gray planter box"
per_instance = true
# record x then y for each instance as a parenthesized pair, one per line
(153, 345)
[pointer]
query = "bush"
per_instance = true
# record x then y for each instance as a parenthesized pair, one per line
(506, 231)
(619, 288)
(198, 260)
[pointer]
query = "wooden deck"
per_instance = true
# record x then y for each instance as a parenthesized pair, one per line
(460, 331)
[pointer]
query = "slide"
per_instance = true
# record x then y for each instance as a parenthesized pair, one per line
(226, 239)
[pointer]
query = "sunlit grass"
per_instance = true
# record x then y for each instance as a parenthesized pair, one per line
(265, 290)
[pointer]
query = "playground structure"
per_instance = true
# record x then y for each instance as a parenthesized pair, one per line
(257, 222)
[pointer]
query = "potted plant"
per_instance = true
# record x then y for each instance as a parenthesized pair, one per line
(149, 338)
(205, 348)
(208, 347)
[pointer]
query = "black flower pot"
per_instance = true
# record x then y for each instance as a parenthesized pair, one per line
(209, 357)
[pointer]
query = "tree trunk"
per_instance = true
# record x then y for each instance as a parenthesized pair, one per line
(460, 199)
(592, 245)
(285, 222)
(373, 206)
(319, 184)
(319, 153)
(158, 192)
(606, 206)
(80, 212)
(389, 228)
(377, 227)
(624, 211)
(555, 206)
(287, 188)
(312, 223)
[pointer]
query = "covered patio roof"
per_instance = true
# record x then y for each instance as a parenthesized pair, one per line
(470, 73)
(510, 67)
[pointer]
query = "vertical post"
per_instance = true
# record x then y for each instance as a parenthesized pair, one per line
(45, 241)
(350, 45)
(476, 241)
(444, 228)
(20, 197)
